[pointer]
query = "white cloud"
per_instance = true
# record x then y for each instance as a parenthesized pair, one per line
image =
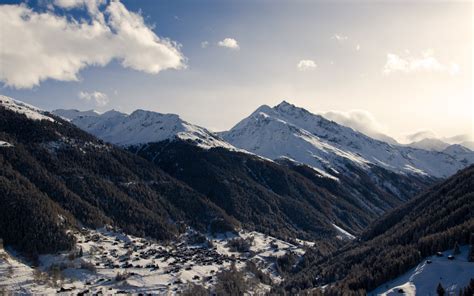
(43, 45)
(339, 38)
(306, 65)
(229, 43)
(427, 62)
(362, 121)
(204, 44)
(429, 134)
(420, 135)
(459, 138)
(99, 98)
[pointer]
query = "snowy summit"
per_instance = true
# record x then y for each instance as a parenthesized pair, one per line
(141, 127)
(292, 132)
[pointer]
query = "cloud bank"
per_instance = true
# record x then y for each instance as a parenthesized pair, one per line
(429, 134)
(362, 121)
(427, 63)
(47, 45)
(229, 43)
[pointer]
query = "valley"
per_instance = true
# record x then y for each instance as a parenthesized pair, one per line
(148, 203)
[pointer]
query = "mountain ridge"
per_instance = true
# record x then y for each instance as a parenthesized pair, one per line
(142, 126)
(287, 130)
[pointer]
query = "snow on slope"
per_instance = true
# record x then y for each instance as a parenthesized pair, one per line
(423, 280)
(71, 114)
(343, 234)
(5, 144)
(431, 144)
(460, 153)
(23, 108)
(288, 131)
(142, 127)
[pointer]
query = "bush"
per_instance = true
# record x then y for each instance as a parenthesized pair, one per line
(260, 275)
(285, 263)
(231, 282)
(194, 290)
(39, 277)
(221, 226)
(121, 276)
(196, 239)
(56, 275)
(88, 266)
(240, 245)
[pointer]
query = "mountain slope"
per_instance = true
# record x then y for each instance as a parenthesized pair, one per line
(432, 222)
(82, 180)
(263, 195)
(288, 131)
(141, 127)
(71, 114)
(367, 187)
(430, 144)
(97, 184)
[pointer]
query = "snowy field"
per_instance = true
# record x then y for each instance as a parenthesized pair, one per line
(113, 263)
(423, 280)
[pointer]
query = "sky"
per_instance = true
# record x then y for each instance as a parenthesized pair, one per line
(401, 68)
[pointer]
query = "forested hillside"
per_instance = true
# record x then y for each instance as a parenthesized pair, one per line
(54, 175)
(434, 221)
(282, 199)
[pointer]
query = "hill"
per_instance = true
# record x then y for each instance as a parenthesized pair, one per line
(432, 222)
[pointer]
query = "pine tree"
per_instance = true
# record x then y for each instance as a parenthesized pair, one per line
(456, 251)
(440, 290)
(471, 249)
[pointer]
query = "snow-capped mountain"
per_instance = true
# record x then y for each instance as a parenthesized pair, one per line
(71, 114)
(430, 144)
(289, 131)
(460, 153)
(141, 127)
(428, 140)
(29, 111)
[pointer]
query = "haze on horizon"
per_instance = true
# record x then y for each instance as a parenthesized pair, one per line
(376, 65)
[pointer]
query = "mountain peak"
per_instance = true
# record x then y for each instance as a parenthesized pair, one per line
(284, 104)
(144, 126)
(288, 130)
(293, 111)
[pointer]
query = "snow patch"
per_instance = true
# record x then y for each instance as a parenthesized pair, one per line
(423, 279)
(343, 233)
(4, 144)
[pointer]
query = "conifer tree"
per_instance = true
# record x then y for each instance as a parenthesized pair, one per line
(456, 250)
(440, 290)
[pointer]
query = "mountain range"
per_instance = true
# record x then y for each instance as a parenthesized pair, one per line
(281, 171)
(371, 173)
(283, 131)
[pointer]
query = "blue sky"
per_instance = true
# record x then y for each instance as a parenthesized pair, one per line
(405, 66)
